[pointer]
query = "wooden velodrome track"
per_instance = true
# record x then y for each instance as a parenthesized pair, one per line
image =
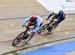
(10, 26)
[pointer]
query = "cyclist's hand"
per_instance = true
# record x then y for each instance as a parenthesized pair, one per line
(26, 26)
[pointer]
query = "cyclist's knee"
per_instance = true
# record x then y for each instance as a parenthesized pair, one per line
(57, 22)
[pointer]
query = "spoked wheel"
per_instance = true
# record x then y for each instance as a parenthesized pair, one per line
(18, 39)
(26, 36)
(22, 36)
(43, 28)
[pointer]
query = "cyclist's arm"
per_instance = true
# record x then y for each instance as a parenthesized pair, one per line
(25, 21)
(50, 16)
(37, 26)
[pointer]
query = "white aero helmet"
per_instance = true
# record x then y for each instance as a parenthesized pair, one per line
(56, 11)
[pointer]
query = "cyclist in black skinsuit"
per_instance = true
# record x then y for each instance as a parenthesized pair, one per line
(59, 15)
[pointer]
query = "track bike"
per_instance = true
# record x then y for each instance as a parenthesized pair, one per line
(46, 27)
(25, 35)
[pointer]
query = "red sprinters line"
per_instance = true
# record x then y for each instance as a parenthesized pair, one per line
(54, 32)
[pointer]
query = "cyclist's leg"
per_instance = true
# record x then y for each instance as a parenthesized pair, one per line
(50, 27)
(29, 38)
(49, 30)
(53, 26)
(56, 23)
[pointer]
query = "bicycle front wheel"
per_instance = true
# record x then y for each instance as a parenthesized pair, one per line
(42, 29)
(18, 39)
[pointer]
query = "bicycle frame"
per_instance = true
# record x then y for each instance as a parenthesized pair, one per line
(23, 36)
(45, 27)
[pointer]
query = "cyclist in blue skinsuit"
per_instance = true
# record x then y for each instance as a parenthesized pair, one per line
(59, 15)
(33, 20)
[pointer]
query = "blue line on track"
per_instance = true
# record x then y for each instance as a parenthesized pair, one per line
(58, 49)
